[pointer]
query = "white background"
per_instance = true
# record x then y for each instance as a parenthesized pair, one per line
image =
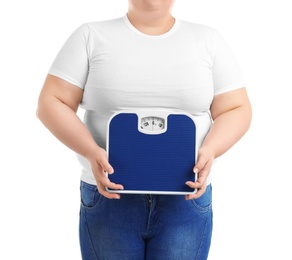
(40, 177)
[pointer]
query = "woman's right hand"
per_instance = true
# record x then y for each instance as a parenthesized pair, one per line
(100, 167)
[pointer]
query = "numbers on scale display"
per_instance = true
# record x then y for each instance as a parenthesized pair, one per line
(152, 123)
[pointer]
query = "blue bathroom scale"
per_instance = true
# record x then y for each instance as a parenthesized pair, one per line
(152, 152)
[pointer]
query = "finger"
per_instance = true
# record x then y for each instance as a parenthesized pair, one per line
(111, 185)
(102, 190)
(194, 185)
(201, 180)
(198, 194)
(105, 165)
(103, 181)
(202, 177)
(201, 162)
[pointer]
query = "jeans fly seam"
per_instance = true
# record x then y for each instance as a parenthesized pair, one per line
(149, 204)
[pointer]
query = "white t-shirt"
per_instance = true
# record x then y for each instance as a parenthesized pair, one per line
(120, 68)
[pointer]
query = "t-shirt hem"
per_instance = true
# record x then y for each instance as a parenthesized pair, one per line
(88, 180)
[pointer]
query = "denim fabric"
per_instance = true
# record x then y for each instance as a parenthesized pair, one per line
(149, 227)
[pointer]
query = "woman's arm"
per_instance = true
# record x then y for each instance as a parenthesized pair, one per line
(57, 106)
(231, 112)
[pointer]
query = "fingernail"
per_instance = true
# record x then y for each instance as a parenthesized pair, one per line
(196, 170)
(110, 171)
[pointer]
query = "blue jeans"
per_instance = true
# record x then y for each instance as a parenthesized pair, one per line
(150, 227)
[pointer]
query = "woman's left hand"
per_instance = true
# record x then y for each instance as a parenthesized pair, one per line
(202, 167)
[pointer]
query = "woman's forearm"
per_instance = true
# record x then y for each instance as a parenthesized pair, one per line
(227, 129)
(65, 125)
(58, 113)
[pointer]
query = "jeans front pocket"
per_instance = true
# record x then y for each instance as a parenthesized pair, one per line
(204, 203)
(89, 194)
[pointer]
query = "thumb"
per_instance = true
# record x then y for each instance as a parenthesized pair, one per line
(201, 161)
(105, 165)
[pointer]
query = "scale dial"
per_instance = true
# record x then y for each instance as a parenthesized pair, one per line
(152, 124)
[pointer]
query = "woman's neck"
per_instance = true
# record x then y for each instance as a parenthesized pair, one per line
(152, 22)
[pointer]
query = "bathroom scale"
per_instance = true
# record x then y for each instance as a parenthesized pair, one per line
(152, 152)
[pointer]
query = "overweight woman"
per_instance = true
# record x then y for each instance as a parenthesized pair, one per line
(145, 59)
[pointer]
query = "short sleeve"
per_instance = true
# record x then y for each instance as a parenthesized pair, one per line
(71, 63)
(226, 73)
